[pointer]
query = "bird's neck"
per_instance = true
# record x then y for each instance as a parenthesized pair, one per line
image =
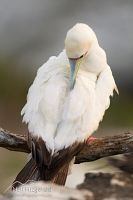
(94, 61)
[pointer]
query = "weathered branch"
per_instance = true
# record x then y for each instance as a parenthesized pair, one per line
(47, 191)
(107, 146)
(13, 142)
(99, 148)
(96, 186)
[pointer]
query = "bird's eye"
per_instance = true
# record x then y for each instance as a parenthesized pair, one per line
(81, 56)
(76, 58)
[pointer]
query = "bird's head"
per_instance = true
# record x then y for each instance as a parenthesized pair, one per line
(78, 43)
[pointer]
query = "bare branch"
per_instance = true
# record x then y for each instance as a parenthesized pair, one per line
(13, 142)
(40, 190)
(107, 146)
(117, 186)
(99, 148)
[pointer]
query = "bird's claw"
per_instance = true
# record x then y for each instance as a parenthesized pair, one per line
(91, 139)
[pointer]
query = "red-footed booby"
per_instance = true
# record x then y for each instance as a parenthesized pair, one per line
(65, 105)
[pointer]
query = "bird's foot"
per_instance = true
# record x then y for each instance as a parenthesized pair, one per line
(91, 139)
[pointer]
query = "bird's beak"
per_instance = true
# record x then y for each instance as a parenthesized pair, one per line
(74, 67)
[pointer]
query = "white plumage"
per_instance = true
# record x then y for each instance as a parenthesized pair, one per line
(62, 116)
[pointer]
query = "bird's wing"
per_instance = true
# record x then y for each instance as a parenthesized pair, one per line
(105, 86)
(86, 108)
(45, 97)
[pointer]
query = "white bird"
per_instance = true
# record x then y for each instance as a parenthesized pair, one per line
(66, 103)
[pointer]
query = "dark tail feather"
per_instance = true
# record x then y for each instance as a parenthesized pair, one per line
(61, 176)
(43, 166)
(29, 173)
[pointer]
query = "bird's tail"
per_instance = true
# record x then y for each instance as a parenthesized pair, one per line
(61, 176)
(30, 173)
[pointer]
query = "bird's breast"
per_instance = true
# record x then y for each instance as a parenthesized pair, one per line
(87, 76)
(78, 99)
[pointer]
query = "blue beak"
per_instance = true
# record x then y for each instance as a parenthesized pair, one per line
(72, 72)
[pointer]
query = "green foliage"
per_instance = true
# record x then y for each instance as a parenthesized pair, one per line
(13, 85)
(120, 112)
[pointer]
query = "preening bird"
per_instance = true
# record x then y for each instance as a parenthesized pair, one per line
(65, 105)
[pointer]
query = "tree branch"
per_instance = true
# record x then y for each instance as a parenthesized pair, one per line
(13, 142)
(99, 148)
(106, 146)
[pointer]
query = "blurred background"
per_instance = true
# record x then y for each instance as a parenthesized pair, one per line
(31, 31)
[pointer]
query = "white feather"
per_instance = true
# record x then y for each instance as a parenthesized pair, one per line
(61, 116)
